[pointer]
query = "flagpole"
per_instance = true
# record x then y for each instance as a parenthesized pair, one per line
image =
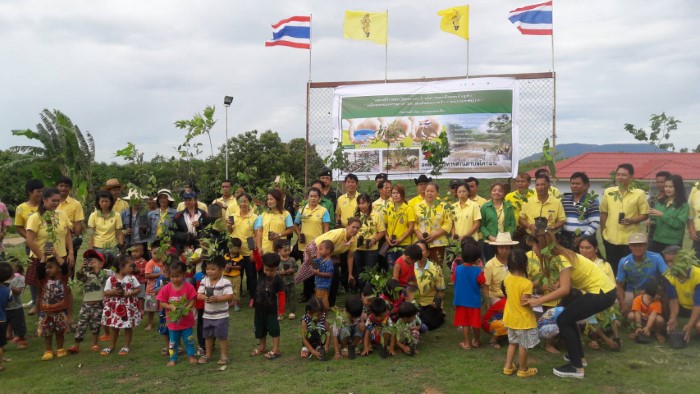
(308, 92)
(386, 49)
(467, 41)
(554, 77)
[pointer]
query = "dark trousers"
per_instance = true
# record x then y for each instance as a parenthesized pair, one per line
(200, 328)
(335, 284)
(364, 259)
(343, 266)
(658, 247)
(581, 308)
(309, 288)
(251, 276)
(615, 253)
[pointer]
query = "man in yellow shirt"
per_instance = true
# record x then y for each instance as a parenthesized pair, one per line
(421, 183)
(553, 191)
(74, 210)
(380, 204)
(473, 184)
(113, 186)
(622, 210)
(347, 203)
(34, 188)
(544, 211)
(227, 197)
(694, 218)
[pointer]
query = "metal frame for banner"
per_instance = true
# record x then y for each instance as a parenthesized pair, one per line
(537, 110)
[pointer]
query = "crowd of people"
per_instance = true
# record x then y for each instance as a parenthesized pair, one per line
(527, 268)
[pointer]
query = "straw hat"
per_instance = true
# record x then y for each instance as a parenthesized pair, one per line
(166, 192)
(503, 239)
(111, 184)
(638, 238)
(134, 195)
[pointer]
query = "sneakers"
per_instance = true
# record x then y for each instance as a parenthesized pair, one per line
(292, 316)
(584, 363)
(568, 371)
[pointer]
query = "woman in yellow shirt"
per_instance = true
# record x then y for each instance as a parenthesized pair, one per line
(272, 224)
(311, 221)
(400, 220)
(434, 222)
(372, 230)
(106, 225)
(240, 223)
(467, 218)
(575, 271)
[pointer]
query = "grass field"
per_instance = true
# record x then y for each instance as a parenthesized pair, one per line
(440, 366)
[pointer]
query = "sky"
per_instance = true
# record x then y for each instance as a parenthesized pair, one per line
(127, 70)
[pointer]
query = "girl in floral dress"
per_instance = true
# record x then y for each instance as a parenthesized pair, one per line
(121, 308)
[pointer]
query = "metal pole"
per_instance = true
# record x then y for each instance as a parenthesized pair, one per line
(386, 49)
(308, 91)
(226, 143)
(554, 76)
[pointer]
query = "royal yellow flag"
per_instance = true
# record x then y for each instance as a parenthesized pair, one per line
(372, 26)
(455, 20)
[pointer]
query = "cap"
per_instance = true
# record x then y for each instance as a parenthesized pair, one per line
(326, 172)
(454, 183)
(94, 254)
(671, 249)
(381, 175)
(185, 196)
(638, 238)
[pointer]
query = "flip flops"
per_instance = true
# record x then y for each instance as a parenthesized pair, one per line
(106, 351)
(273, 355)
(257, 352)
(223, 361)
(124, 351)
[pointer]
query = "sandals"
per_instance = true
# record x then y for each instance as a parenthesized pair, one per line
(509, 371)
(494, 345)
(475, 344)
(124, 351)
(73, 350)
(527, 373)
(48, 356)
(60, 353)
(106, 351)
(203, 360)
(257, 352)
(273, 355)
(224, 361)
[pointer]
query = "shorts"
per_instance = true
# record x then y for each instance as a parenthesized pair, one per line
(266, 324)
(351, 331)
(467, 317)
(323, 296)
(217, 328)
(150, 304)
(524, 338)
(52, 323)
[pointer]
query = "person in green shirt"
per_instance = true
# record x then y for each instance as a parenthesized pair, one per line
(669, 215)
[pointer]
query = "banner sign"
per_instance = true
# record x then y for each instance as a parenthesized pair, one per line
(381, 127)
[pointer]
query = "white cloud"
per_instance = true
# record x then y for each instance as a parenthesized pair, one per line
(126, 70)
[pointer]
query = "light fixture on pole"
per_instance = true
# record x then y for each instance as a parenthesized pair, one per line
(227, 103)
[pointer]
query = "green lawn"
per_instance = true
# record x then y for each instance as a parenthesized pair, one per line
(440, 366)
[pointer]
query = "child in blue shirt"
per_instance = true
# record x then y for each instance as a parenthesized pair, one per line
(469, 281)
(323, 272)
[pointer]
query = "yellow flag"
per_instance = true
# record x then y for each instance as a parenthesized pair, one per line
(372, 26)
(455, 20)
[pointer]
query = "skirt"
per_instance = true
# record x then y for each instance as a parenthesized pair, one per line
(467, 317)
(121, 312)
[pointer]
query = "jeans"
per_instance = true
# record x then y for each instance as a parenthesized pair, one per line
(175, 337)
(581, 308)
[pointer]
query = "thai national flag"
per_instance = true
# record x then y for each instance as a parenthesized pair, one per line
(533, 19)
(292, 32)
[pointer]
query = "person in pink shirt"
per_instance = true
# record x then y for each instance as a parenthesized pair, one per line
(180, 319)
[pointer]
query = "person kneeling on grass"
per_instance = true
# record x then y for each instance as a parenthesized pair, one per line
(177, 299)
(351, 330)
(314, 339)
(375, 335)
(408, 330)
(646, 315)
(216, 292)
(269, 294)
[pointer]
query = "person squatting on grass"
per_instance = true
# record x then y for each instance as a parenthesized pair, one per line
(315, 340)
(6, 273)
(376, 332)
(349, 332)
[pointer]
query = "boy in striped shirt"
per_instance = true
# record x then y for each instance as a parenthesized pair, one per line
(217, 293)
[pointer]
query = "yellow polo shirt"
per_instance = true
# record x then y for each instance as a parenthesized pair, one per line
(105, 228)
(586, 276)
(429, 281)
(634, 203)
(551, 209)
(62, 225)
(228, 203)
(686, 289)
(415, 201)
(370, 228)
(694, 211)
(275, 222)
(517, 200)
(397, 220)
(554, 192)
(495, 272)
(346, 207)
(533, 268)
(311, 221)
(465, 216)
(242, 227)
(22, 214)
(479, 200)
(606, 268)
(338, 237)
(73, 209)
(200, 205)
(379, 206)
(428, 221)
(119, 206)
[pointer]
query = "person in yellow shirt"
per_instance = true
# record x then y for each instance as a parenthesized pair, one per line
(69, 205)
(400, 220)
(106, 225)
(311, 221)
(421, 183)
(683, 290)
(274, 223)
(517, 198)
(473, 184)
(434, 223)
(115, 188)
(496, 269)
(191, 189)
(467, 215)
(544, 211)
(553, 191)
(240, 224)
(372, 230)
(33, 188)
(227, 198)
(347, 203)
(575, 271)
(622, 211)
(694, 218)
(380, 204)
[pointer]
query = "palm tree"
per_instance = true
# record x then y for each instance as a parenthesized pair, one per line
(64, 150)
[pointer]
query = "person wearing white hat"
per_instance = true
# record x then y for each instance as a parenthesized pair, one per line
(496, 269)
(161, 218)
(135, 219)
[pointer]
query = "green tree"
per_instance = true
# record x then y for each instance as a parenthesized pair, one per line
(661, 128)
(63, 150)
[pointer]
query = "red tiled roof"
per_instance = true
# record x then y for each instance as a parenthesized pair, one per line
(598, 165)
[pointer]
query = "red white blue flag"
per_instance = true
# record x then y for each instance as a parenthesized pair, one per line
(533, 19)
(292, 32)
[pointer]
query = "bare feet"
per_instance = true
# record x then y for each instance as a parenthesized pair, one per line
(170, 364)
(465, 346)
(193, 360)
(550, 348)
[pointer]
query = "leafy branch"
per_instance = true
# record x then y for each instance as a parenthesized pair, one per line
(436, 151)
